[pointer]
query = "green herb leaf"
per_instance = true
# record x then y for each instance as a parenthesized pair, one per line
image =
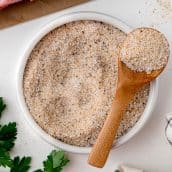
(8, 135)
(21, 165)
(2, 106)
(55, 161)
(39, 170)
(5, 159)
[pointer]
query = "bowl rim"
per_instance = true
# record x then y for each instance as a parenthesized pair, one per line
(74, 16)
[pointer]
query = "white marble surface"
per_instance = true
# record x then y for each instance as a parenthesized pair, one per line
(149, 148)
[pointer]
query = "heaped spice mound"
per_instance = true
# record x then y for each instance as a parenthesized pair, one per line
(70, 79)
(145, 50)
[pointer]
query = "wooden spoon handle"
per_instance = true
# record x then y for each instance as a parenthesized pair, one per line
(101, 148)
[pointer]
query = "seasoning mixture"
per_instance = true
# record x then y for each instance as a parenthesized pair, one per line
(70, 79)
(145, 49)
(166, 4)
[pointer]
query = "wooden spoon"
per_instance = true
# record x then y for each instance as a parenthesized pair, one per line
(129, 82)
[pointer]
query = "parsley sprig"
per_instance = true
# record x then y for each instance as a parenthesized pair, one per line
(21, 164)
(55, 162)
(5, 159)
(8, 134)
(2, 106)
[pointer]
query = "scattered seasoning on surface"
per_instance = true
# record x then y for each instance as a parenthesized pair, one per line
(145, 49)
(166, 4)
(70, 79)
(157, 12)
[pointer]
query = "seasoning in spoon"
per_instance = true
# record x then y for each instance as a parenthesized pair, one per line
(145, 49)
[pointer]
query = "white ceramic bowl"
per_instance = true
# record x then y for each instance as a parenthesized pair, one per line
(46, 29)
